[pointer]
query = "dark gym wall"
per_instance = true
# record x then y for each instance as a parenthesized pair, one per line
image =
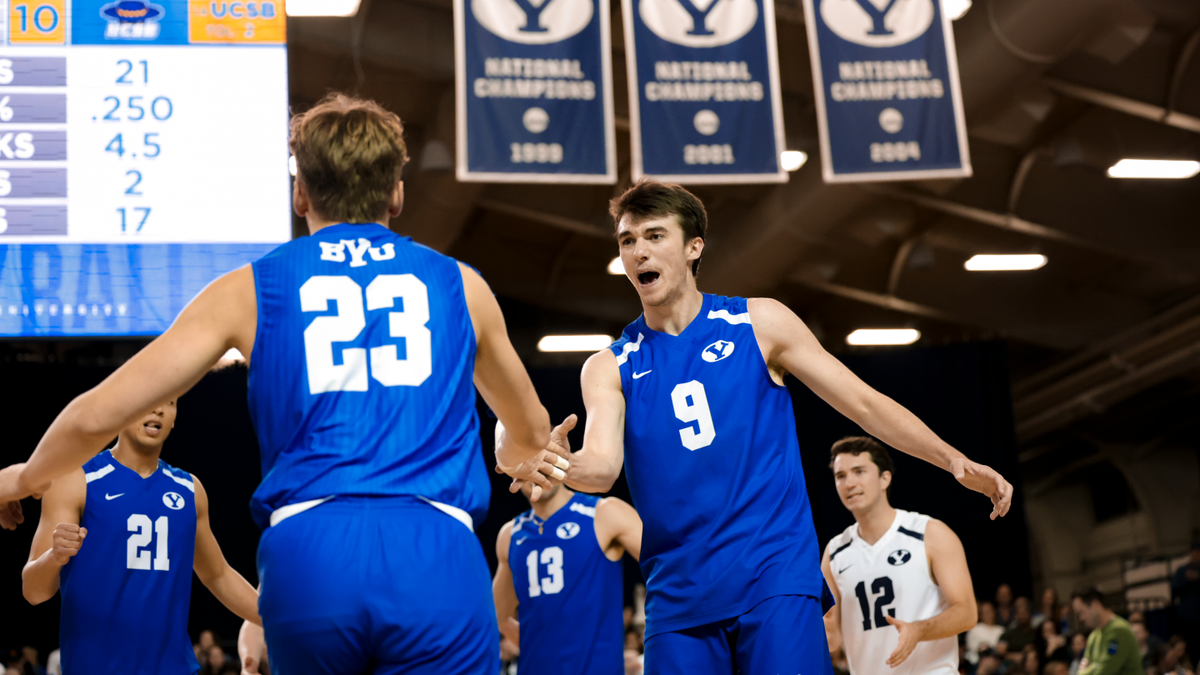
(961, 391)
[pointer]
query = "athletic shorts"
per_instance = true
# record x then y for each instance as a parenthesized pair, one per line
(376, 585)
(782, 635)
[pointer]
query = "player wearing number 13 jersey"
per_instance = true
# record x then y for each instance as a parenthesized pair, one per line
(119, 539)
(364, 350)
(692, 398)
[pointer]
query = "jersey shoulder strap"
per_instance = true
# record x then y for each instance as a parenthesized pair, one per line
(732, 310)
(178, 475)
(912, 524)
(841, 542)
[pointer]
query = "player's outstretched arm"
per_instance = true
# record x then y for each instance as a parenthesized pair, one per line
(788, 344)
(948, 566)
(221, 317)
(58, 538)
(598, 463)
(214, 571)
(502, 380)
(619, 526)
(504, 594)
(833, 618)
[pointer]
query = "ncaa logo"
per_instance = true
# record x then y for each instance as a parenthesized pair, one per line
(173, 501)
(699, 23)
(533, 22)
(721, 349)
(898, 558)
(878, 23)
(567, 530)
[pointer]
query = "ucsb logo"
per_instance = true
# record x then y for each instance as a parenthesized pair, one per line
(533, 22)
(243, 10)
(335, 251)
(699, 23)
(878, 23)
(131, 20)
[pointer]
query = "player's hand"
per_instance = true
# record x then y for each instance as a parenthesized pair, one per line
(984, 479)
(11, 515)
(251, 647)
(910, 636)
(508, 650)
(68, 538)
(511, 630)
(550, 466)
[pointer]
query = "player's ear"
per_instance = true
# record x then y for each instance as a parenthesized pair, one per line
(396, 201)
(885, 480)
(694, 249)
(300, 203)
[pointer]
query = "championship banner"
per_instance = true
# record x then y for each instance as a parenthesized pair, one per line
(704, 100)
(534, 91)
(888, 100)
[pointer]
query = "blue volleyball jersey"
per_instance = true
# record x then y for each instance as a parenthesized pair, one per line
(361, 379)
(713, 465)
(126, 593)
(569, 593)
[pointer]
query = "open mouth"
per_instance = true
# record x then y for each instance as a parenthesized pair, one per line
(647, 278)
(152, 428)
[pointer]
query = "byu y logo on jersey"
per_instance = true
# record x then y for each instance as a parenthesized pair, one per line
(898, 558)
(878, 23)
(173, 500)
(533, 22)
(718, 350)
(567, 530)
(699, 23)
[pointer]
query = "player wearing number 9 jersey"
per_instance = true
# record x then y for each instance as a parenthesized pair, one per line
(691, 397)
(362, 348)
(119, 539)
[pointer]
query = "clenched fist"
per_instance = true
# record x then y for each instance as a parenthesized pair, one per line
(68, 537)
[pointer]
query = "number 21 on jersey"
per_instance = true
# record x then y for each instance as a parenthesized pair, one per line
(324, 375)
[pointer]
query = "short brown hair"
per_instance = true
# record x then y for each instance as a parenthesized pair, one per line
(349, 153)
(652, 199)
(857, 445)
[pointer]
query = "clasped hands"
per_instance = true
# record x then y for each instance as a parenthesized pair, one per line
(546, 469)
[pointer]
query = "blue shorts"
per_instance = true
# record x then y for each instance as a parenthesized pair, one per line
(384, 585)
(782, 635)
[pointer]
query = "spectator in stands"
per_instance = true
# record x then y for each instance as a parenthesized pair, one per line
(1055, 668)
(1053, 644)
(1020, 633)
(1004, 608)
(1111, 648)
(985, 635)
(1048, 609)
(219, 663)
(1150, 647)
(1078, 646)
(1185, 586)
(989, 663)
(54, 663)
(1176, 658)
(1031, 660)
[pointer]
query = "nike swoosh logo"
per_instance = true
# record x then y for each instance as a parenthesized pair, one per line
(521, 540)
(845, 568)
(111, 497)
(637, 375)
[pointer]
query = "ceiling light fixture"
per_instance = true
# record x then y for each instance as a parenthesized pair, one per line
(1154, 168)
(955, 9)
(883, 336)
(616, 267)
(792, 159)
(322, 7)
(1005, 263)
(574, 343)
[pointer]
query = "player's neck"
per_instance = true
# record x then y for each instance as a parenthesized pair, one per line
(142, 460)
(876, 521)
(544, 510)
(317, 223)
(673, 316)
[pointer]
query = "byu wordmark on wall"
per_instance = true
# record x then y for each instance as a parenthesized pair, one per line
(534, 91)
(704, 90)
(886, 79)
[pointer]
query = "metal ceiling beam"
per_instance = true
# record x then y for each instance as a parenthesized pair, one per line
(553, 220)
(881, 300)
(1125, 105)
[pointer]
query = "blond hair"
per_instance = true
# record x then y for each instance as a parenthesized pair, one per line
(349, 152)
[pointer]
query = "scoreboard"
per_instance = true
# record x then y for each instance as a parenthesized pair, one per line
(143, 153)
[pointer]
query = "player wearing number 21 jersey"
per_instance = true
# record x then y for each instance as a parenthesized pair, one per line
(901, 579)
(364, 352)
(559, 571)
(119, 539)
(691, 398)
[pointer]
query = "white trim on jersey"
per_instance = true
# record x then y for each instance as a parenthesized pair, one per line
(98, 473)
(182, 481)
(628, 349)
(889, 578)
(724, 315)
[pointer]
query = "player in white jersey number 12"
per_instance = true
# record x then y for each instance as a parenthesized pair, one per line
(900, 579)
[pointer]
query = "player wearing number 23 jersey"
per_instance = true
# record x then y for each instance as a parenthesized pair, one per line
(691, 397)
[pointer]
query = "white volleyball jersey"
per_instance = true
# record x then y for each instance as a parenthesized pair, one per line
(891, 578)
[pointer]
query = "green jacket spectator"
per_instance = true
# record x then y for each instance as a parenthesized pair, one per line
(1112, 648)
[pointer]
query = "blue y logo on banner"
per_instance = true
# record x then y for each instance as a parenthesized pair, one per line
(887, 89)
(534, 94)
(704, 90)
